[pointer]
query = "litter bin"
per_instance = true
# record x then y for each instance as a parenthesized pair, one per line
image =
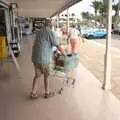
(3, 47)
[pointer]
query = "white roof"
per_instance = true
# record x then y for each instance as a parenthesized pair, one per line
(42, 8)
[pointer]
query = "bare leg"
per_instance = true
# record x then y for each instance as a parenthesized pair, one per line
(36, 80)
(35, 84)
(46, 84)
(48, 93)
(73, 45)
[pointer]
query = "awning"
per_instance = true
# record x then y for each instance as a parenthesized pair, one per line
(42, 8)
(3, 5)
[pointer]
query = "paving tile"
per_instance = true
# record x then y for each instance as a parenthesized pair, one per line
(92, 57)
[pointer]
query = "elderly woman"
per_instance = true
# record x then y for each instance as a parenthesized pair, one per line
(42, 57)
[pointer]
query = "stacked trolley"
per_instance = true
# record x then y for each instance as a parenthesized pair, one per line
(65, 64)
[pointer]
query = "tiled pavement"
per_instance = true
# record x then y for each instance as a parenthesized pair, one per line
(92, 57)
(86, 101)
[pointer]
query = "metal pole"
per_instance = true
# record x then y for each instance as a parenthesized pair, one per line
(53, 27)
(107, 69)
(118, 7)
(75, 18)
(68, 20)
(57, 20)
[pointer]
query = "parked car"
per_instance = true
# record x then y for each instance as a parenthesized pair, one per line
(116, 29)
(95, 33)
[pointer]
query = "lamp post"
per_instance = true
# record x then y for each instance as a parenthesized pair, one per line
(107, 69)
(68, 20)
(57, 20)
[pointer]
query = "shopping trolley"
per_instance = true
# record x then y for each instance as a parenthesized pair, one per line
(65, 64)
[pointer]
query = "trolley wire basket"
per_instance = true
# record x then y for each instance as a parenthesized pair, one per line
(64, 64)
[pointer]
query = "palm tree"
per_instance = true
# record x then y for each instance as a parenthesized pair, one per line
(102, 9)
(86, 15)
(73, 16)
(116, 9)
(95, 5)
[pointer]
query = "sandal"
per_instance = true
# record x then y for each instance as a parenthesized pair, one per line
(48, 95)
(34, 95)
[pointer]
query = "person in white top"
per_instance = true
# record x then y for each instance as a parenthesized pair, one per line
(73, 36)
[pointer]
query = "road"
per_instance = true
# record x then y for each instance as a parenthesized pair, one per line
(115, 41)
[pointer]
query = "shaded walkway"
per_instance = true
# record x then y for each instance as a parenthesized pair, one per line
(87, 101)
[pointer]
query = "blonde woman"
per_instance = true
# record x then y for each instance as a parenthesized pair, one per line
(73, 37)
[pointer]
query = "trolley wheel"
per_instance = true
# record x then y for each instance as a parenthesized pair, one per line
(60, 91)
(73, 82)
(17, 54)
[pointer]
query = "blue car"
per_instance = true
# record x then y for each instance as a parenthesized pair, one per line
(97, 33)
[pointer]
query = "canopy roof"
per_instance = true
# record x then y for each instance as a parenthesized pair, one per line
(42, 8)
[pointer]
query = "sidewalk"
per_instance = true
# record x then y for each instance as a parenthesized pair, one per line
(87, 101)
(92, 57)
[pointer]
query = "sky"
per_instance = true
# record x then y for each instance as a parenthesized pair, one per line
(85, 6)
(78, 8)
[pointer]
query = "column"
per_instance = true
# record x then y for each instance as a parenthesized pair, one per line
(68, 20)
(57, 20)
(53, 25)
(107, 69)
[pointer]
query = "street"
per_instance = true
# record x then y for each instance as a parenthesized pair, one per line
(115, 41)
